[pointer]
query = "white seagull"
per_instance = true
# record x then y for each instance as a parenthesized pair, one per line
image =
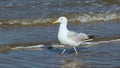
(70, 38)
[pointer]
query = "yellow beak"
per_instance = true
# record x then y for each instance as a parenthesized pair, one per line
(55, 22)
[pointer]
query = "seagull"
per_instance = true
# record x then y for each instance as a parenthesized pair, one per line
(70, 38)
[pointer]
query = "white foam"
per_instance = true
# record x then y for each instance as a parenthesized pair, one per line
(77, 17)
(40, 47)
(98, 17)
(89, 44)
(29, 47)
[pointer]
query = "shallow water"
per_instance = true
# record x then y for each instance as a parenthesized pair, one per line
(105, 55)
(28, 23)
(36, 34)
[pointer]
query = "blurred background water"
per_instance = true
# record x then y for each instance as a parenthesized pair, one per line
(44, 11)
(29, 22)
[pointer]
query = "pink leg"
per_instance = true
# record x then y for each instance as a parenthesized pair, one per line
(75, 51)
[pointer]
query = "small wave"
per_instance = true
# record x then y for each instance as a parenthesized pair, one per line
(89, 44)
(98, 17)
(35, 47)
(40, 47)
(71, 17)
(26, 21)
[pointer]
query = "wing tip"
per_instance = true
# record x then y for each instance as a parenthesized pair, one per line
(91, 36)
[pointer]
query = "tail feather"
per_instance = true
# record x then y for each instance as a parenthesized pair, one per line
(91, 36)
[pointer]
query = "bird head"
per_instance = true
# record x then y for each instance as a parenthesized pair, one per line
(61, 20)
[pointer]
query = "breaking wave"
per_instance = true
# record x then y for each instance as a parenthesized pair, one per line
(92, 17)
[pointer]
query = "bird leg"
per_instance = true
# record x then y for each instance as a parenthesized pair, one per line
(75, 51)
(63, 51)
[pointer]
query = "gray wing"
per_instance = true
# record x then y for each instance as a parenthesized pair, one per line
(77, 36)
(72, 34)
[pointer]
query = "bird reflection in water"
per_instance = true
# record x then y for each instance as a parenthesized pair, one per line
(69, 63)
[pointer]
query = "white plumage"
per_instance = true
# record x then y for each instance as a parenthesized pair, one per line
(70, 38)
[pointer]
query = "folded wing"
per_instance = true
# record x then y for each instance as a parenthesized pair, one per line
(79, 37)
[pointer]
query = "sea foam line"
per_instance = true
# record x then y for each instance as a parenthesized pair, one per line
(71, 18)
(40, 47)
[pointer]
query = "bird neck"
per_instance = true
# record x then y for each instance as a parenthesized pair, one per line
(63, 28)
